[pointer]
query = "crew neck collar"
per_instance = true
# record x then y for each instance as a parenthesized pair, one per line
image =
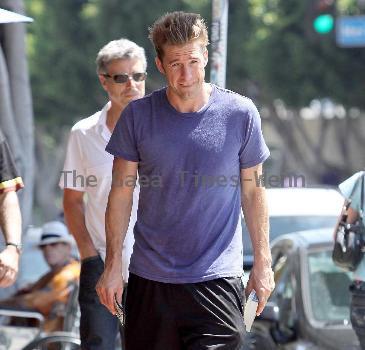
(188, 114)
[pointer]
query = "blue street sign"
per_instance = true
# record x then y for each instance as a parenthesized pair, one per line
(350, 31)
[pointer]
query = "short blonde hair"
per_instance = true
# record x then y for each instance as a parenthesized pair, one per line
(178, 28)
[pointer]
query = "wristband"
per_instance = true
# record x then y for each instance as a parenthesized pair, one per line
(16, 245)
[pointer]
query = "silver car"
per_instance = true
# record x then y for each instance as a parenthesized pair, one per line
(310, 306)
(296, 209)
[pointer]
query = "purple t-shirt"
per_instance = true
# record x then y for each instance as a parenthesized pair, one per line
(188, 228)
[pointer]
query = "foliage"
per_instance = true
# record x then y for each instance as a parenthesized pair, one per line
(61, 76)
(272, 52)
(291, 62)
(63, 43)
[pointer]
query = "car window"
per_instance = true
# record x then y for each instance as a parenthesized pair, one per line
(328, 287)
(280, 225)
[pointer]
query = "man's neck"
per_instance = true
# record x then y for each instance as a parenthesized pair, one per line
(112, 116)
(190, 105)
(59, 266)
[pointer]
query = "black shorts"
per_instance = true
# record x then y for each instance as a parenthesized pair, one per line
(193, 316)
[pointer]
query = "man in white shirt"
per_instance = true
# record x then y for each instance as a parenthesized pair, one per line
(121, 68)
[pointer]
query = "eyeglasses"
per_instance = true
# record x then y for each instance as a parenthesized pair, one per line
(124, 77)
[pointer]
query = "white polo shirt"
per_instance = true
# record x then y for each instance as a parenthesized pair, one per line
(88, 168)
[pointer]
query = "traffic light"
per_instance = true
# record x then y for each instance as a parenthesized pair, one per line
(324, 16)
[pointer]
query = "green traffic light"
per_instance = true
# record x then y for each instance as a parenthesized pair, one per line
(323, 24)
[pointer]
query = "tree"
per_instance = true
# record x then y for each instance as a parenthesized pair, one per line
(290, 65)
(62, 61)
(275, 58)
(64, 85)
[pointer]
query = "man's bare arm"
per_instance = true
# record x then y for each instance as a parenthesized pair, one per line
(117, 217)
(73, 206)
(254, 205)
(11, 226)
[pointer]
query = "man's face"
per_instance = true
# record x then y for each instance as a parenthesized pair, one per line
(56, 254)
(120, 94)
(184, 68)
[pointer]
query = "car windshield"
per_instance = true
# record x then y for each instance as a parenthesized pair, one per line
(328, 288)
(280, 225)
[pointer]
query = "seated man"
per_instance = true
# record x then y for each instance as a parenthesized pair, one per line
(49, 295)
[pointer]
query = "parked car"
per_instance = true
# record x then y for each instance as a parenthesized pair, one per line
(296, 209)
(310, 305)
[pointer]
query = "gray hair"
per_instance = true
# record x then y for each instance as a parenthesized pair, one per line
(119, 50)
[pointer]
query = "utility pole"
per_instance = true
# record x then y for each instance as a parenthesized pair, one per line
(219, 42)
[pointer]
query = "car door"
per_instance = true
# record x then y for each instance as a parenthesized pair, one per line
(270, 332)
(284, 297)
(287, 333)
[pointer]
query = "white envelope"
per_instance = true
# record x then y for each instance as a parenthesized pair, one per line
(249, 313)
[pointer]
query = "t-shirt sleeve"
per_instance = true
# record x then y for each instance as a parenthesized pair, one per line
(347, 187)
(122, 143)
(73, 166)
(253, 150)
(10, 179)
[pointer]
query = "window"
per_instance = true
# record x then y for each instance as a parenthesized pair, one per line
(328, 287)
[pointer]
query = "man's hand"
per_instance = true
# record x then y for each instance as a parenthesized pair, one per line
(110, 284)
(262, 281)
(9, 263)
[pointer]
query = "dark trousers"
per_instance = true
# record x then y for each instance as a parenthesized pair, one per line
(357, 311)
(194, 316)
(98, 327)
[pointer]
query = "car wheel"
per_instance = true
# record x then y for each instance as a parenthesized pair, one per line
(260, 339)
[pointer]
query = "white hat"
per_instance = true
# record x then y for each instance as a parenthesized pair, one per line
(55, 232)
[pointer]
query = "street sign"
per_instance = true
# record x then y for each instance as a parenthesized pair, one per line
(350, 31)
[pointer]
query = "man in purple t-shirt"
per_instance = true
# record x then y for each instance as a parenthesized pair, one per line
(198, 150)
